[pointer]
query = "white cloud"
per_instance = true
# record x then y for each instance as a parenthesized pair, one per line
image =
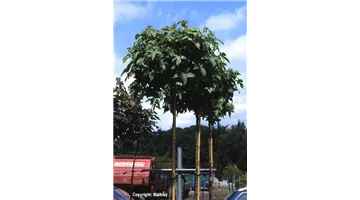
(236, 49)
(124, 11)
(226, 21)
(239, 103)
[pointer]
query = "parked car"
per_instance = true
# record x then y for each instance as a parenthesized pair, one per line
(240, 194)
(120, 194)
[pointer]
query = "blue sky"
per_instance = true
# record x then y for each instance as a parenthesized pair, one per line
(226, 19)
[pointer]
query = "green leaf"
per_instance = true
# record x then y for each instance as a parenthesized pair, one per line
(153, 54)
(153, 33)
(197, 45)
(126, 70)
(125, 58)
(202, 70)
(178, 60)
(223, 55)
(210, 90)
(139, 61)
(175, 76)
(163, 39)
(166, 109)
(162, 66)
(183, 23)
(218, 40)
(212, 60)
(190, 75)
(136, 55)
(151, 77)
(187, 38)
(184, 78)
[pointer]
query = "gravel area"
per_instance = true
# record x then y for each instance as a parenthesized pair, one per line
(218, 194)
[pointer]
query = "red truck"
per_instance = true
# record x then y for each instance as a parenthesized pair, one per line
(143, 181)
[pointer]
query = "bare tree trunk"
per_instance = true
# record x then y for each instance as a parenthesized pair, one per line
(211, 163)
(198, 157)
(173, 145)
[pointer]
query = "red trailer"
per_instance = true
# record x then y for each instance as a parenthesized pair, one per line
(143, 181)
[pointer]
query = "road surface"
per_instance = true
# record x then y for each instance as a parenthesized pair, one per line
(218, 194)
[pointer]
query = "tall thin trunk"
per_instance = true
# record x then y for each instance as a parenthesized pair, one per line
(173, 145)
(198, 157)
(112, 157)
(211, 162)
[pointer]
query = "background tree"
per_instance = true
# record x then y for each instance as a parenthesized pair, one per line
(217, 108)
(131, 121)
(229, 146)
(242, 181)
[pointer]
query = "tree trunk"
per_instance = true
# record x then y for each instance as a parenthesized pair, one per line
(173, 145)
(198, 157)
(211, 163)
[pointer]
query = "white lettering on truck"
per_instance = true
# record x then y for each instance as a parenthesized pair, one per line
(129, 164)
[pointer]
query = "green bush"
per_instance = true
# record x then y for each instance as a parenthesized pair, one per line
(230, 170)
(241, 181)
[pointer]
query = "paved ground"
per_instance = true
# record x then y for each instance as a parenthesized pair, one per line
(218, 194)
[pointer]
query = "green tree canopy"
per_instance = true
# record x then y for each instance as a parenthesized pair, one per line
(179, 57)
(131, 121)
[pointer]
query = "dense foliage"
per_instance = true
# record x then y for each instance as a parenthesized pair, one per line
(192, 61)
(131, 121)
